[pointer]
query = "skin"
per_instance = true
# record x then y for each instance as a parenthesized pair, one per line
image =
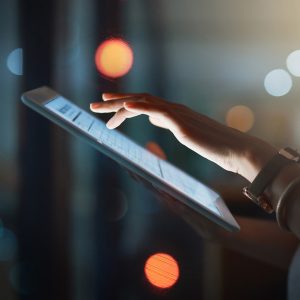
(231, 149)
(225, 146)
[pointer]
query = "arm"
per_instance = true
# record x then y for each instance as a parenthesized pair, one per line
(229, 148)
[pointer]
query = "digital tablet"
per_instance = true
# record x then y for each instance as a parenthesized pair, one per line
(160, 173)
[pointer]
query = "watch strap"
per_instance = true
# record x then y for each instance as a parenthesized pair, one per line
(266, 175)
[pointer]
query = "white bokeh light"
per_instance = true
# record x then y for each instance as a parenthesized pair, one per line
(293, 63)
(278, 82)
(15, 61)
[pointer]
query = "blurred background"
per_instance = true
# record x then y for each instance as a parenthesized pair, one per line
(73, 224)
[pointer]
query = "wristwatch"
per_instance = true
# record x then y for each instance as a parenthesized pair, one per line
(255, 191)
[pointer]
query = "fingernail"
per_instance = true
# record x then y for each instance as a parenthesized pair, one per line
(129, 104)
(110, 125)
(94, 105)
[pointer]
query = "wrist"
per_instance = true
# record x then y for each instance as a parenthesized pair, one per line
(256, 155)
(260, 190)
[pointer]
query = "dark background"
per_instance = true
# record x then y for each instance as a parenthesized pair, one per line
(74, 225)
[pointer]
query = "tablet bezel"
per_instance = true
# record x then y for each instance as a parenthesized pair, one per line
(37, 98)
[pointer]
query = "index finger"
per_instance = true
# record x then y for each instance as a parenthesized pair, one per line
(111, 106)
(116, 96)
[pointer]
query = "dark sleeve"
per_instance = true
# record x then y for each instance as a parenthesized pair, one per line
(285, 191)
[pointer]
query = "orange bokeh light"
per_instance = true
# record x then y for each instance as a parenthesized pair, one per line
(240, 117)
(162, 270)
(114, 58)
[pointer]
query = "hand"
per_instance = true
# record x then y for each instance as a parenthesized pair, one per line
(229, 148)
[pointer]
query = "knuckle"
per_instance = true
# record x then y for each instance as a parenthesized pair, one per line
(122, 111)
(167, 113)
(184, 132)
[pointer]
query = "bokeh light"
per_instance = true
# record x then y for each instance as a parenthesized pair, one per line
(293, 63)
(240, 117)
(162, 270)
(114, 58)
(278, 82)
(15, 61)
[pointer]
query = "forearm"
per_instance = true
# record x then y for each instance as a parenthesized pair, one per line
(229, 148)
(262, 240)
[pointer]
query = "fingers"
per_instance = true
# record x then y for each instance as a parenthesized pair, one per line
(119, 117)
(150, 109)
(131, 106)
(112, 105)
(122, 112)
(116, 96)
(114, 101)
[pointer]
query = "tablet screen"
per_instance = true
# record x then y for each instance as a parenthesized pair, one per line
(139, 156)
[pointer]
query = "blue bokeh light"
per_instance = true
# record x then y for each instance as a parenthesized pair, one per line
(15, 61)
(278, 82)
